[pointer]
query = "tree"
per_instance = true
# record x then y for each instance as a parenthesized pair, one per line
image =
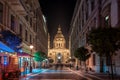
(71, 60)
(105, 41)
(82, 54)
(51, 60)
(39, 56)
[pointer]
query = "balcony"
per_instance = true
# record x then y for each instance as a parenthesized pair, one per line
(34, 19)
(17, 6)
(1, 27)
(31, 14)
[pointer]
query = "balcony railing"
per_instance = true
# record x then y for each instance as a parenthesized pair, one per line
(2, 27)
(17, 6)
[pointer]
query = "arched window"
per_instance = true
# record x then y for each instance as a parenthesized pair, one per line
(67, 53)
(50, 53)
(59, 44)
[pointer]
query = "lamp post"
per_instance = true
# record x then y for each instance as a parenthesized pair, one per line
(31, 47)
(19, 59)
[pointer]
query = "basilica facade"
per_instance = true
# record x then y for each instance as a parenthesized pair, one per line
(59, 53)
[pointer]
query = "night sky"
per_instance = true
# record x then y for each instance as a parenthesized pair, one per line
(58, 12)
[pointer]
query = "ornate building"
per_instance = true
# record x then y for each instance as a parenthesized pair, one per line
(59, 53)
(24, 19)
(90, 14)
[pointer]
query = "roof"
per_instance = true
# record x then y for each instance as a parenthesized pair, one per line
(59, 33)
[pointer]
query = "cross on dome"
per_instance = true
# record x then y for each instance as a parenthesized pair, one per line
(59, 29)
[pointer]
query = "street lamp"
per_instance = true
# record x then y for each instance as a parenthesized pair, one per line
(31, 47)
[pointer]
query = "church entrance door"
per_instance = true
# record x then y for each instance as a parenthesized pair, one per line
(59, 58)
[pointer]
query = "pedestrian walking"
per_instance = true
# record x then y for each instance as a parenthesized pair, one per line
(61, 66)
(30, 68)
(56, 66)
(70, 66)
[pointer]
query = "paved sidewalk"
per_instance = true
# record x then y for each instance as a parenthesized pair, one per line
(101, 76)
(104, 75)
(34, 71)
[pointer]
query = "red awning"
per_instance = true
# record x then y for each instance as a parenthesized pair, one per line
(23, 54)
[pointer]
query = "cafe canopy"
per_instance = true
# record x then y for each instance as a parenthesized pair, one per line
(5, 48)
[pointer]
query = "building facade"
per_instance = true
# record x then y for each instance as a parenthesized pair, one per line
(42, 32)
(59, 53)
(24, 19)
(89, 14)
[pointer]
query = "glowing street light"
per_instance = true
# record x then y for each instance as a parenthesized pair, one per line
(59, 57)
(31, 47)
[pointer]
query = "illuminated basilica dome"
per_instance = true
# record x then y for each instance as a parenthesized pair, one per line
(59, 40)
(58, 53)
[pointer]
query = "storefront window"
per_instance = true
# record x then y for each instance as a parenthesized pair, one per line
(0, 59)
(5, 60)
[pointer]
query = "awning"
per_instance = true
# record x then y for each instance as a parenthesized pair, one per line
(23, 54)
(11, 39)
(5, 48)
